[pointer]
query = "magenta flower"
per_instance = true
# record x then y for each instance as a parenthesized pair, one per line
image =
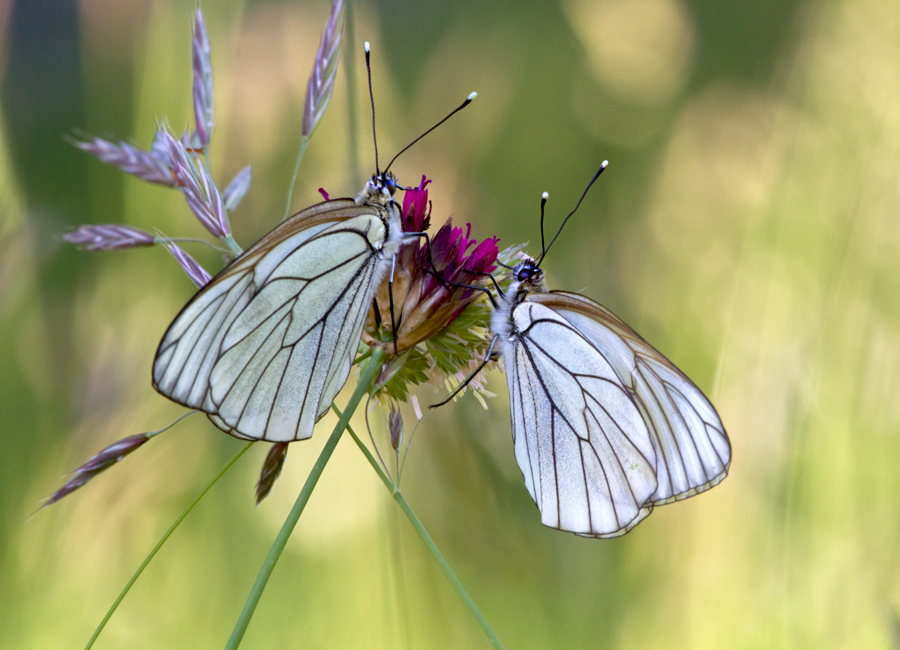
(416, 208)
(425, 305)
(456, 265)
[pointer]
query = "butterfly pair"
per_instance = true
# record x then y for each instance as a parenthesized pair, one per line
(604, 426)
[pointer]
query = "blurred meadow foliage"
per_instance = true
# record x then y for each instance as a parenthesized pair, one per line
(748, 226)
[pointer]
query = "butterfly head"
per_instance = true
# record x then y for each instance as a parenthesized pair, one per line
(379, 189)
(527, 276)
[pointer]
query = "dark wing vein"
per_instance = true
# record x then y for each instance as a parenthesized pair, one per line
(672, 388)
(585, 394)
(320, 352)
(264, 328)
(258, 354)
(196, 330)
(605, 480)
(293, 297)
(692, 449)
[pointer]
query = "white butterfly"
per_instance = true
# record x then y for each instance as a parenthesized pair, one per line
(604, 426)
(265, 347)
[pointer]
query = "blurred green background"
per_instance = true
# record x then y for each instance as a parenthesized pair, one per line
(748, 226)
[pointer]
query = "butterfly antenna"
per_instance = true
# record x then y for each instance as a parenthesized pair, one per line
(603, 166)
(456, 110)
(544, 198)
(372, 102)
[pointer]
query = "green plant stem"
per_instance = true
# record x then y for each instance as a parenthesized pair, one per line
(198, 240)
(159, 545)
(303, 144)
(233, 245)
(366, 381)
(426, 538)
(445, 567)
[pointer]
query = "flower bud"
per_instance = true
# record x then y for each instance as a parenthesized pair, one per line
(98, 463)
(395, 427)
(271, 470)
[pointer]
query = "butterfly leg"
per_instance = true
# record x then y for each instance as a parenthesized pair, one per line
(468, 380)
(391, 302)
(438, 275)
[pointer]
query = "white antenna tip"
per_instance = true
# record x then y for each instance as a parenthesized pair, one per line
(472, 96)
(366, 45)
(545, 195)
(604, 164)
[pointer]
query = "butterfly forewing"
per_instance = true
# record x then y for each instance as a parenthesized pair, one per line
(187, 350)
(580, 439)
(264, 348)
(692, 449)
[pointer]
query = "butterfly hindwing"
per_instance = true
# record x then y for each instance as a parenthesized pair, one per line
(580, 439)
(692, 447)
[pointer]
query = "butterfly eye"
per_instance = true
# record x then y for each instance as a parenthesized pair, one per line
(525, 271)
(390, 183)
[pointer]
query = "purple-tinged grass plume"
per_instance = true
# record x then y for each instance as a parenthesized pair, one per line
(98, 463)
(320, 86)
(173, 162)
(151, 166)
(106, 458)
(324, 72)
(198, 187)
(108, 237)
(236, 189)
(395, 427)
(204, 104)
(189, 265)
